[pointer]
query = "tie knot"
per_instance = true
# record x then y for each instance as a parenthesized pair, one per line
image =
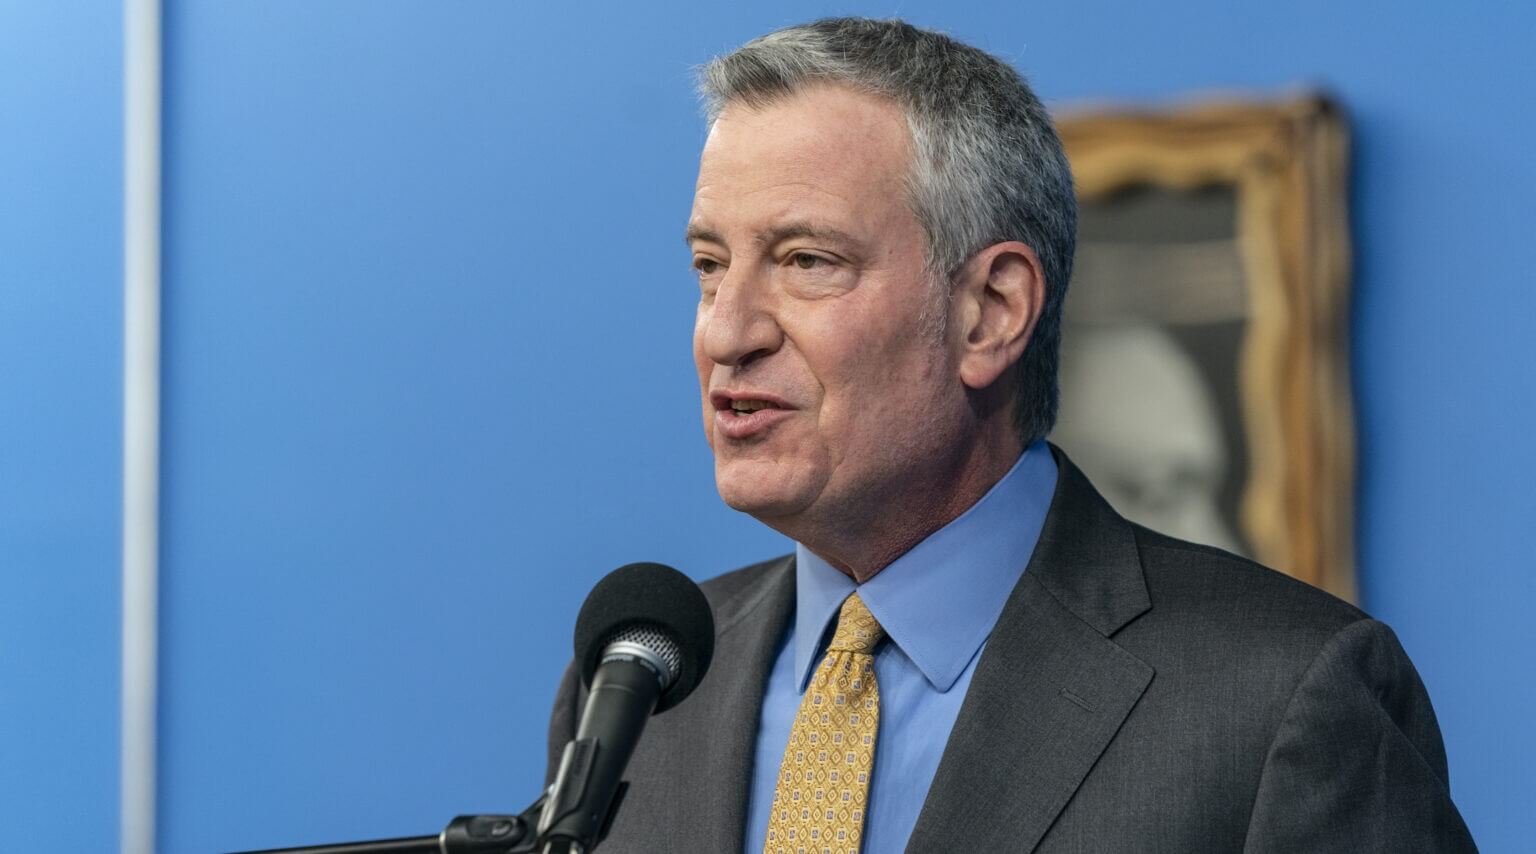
(857, 629)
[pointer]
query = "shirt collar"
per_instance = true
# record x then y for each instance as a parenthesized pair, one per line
(939, 601)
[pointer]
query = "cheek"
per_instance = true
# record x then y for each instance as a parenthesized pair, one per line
(701, 362)
(884, 390)
(705, 367)
(856, 384)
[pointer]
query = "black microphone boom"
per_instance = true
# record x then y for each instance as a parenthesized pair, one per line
(644, 640)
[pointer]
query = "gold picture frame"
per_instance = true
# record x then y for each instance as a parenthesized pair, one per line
(1285, 162)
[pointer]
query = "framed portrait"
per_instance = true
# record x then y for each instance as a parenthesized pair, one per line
(1204, 374)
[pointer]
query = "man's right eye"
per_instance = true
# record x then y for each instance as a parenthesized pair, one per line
(707, 266)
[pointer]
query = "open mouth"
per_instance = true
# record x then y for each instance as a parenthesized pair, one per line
(742, 408)
(748, 414)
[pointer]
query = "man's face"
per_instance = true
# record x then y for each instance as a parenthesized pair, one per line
(827, 391)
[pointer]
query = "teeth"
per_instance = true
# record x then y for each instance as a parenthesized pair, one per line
(749, 405)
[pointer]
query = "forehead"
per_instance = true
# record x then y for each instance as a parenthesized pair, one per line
(829, 147)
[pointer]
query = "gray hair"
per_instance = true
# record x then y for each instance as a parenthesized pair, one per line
(987, 164)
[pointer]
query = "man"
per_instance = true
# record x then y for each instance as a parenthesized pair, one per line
(969, 650)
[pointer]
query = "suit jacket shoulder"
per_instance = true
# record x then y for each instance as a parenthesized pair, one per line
(1347, 725)
(1220, 617)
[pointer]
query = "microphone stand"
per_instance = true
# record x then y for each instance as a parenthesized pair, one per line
(525, 833)
(466, 834)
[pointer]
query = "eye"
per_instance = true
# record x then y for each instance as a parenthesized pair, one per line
(807, 261)
(706, 266)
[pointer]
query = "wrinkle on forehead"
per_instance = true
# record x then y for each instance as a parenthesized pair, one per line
(831, 149)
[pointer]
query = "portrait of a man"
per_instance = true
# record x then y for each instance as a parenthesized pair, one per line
(1155, 320)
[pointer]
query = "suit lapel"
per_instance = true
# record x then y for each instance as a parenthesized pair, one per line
(721, 731)
(1050, 691)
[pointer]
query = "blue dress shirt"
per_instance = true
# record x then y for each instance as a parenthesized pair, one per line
(937, 603)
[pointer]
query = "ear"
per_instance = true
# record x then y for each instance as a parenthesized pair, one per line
(1000, 294)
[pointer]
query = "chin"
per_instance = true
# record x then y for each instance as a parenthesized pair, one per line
(764, 492)
(758, 502)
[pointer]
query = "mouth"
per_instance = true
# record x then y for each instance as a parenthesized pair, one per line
(745, 402)
(747, 406)
(747, 414)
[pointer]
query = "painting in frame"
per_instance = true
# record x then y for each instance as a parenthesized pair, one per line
(1204, 358)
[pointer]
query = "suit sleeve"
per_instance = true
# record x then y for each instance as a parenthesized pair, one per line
(1357, 763)
(562, 720)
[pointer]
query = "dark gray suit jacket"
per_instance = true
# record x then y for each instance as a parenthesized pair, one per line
(1138, 693)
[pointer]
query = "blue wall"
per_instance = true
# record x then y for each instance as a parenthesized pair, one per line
(427, 375)
(60, 427)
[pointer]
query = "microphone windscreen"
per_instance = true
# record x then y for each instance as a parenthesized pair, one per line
(655, 596)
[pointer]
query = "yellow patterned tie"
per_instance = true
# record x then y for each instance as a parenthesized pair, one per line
(819, 803)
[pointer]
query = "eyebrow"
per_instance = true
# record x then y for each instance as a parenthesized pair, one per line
(777, 234)
(699, 232)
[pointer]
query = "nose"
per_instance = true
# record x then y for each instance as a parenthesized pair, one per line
(739, 326)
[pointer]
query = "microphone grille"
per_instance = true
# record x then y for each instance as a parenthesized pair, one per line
(654, 639)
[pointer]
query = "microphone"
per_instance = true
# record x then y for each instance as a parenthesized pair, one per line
(644, 639)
